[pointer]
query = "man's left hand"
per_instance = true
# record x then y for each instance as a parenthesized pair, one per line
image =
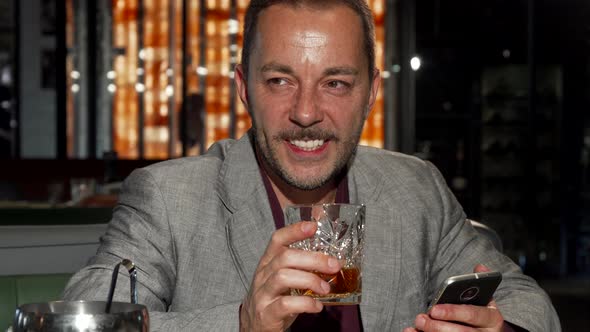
(461, 317)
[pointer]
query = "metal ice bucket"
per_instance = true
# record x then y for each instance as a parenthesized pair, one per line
(86, 316)
(80, 316)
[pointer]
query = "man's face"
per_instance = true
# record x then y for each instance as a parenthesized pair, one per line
(308, 91)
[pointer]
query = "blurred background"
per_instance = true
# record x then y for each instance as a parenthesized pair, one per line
(495, 93)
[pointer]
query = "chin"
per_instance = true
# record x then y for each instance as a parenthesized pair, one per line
(308, 180)
(307, 185)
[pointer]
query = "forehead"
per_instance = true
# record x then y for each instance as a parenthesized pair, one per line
(285, 30)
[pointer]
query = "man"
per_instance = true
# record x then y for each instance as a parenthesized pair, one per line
(207, 235)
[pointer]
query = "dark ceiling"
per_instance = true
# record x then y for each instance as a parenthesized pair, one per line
(483, 29)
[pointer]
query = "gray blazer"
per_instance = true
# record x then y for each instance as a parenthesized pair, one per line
(196, 227)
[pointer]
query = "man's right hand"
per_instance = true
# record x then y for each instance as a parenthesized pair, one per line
(268, 305)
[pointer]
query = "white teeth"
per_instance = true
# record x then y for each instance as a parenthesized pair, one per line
(307, 145)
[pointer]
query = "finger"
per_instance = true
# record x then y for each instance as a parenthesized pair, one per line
(481, 268)
(492, 304)
(292, 233)
(468, 314)
(285, 279)
(285, 307)
(427, 324)
(410, 329)
(305, 260)
(300, 260)
(285, 236)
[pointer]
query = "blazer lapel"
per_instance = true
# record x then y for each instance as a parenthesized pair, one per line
(382, 259)
(247, 235)
(249, 224)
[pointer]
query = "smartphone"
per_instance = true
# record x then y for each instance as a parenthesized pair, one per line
(473, 288)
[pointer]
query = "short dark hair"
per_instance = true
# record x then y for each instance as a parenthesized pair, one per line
(360, 7)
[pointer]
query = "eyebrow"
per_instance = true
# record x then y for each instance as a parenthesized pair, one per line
(341, 71)
(276, 67)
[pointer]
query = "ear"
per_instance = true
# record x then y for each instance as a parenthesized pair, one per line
(375, 84)
(241, 85)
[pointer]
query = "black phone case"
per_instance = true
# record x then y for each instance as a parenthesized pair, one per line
(474, 289)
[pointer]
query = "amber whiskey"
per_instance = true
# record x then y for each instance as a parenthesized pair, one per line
(345, 287)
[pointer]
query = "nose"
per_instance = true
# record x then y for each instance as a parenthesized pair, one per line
(306, 110)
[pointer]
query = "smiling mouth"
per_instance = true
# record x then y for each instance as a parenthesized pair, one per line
(311, 145)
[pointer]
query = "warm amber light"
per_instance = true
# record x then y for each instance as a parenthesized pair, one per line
(159, 82)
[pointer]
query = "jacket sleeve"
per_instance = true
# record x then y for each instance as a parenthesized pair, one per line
(520, 299)
(140, 231)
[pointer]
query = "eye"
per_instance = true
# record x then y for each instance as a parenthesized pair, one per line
(337, 84)
(278, 81)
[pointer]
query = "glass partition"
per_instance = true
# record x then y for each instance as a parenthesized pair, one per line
(164, 77)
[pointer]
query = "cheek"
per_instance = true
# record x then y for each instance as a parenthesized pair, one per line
(346, 114)
(268, 114)
(272, 107)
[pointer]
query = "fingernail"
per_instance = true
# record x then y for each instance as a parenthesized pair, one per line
(420, 321)
(325, 286)
(332, 262)
(306, 227)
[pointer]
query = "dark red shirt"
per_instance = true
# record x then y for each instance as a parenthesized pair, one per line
(344, 318)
